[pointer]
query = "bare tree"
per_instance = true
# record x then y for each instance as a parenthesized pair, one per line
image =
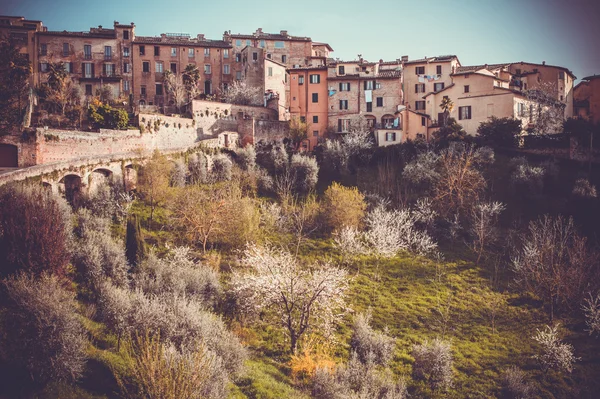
(547, 113)
(241, 93)
(302, 298)
(175, 88)
(484, 216)
(433, 363)
(555, 353)
(591, 309)
(554, 262)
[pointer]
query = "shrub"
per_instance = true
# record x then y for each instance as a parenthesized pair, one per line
(198, 168)
(272, 157)
(179, 275)
(452, 131)
(178, 174)
(515, 384)
(221, 168)
(369, 344)
(584, 189)
(45, 335)
(422, 171)
(246, 158)
(591, 309)
(433, 364)
(305, 171)
(525, 177)
(105, 116)
(342, 207)
(34, 231)
(499, 132)
(264, 182)
(554, 353)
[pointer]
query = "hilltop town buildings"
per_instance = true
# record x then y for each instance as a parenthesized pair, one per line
(396, 100)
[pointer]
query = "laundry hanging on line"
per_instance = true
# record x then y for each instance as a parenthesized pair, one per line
(369, 96)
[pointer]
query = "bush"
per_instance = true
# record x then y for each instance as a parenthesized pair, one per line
(370, 345)
(198, 168)
(584, 189)
(433, 364)
(45, 335)
(554, 353)
(105, 116)
(499, 132)
(178, 174)
(343, 207)
(35, 231)
(221, 168)
(452, 131)
(246, 158)
(305, 171)
(272, 157)
(515, 384)
(525, 177)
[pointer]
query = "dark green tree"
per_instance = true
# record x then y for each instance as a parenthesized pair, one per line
(499, 132)
(15, 70)
(451, 131)
(134, 243)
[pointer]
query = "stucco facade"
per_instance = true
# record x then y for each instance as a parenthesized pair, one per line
(587, 98)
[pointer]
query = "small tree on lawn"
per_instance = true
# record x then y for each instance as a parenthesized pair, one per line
(301, 298)
(484, 217)
(154, 181)
(554, 353)
(343, 206)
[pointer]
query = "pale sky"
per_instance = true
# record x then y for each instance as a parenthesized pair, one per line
(565, 33)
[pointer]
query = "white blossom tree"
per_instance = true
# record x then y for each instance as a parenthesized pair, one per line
(548, 113)
(484, 217)
(555, 353)
(591, 309)
(301, 298)
(241, 93)
(175, 88)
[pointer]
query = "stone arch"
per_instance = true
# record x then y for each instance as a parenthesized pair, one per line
(387, 121)
(129, 177)
(98, 178)
(371, 121)
(142, 102)
(9, 156)
(71, 187)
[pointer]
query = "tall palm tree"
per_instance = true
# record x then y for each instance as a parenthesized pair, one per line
(447, 106)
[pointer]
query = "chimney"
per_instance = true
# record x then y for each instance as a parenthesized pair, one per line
(259, 31)
(404, 58)
(200, 36)
(381, 61)
(99, 26)
(543, 62)
(116, 22)
(283, 33)
(486, 66)
(163, 37)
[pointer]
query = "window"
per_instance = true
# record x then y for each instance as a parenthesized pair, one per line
(87, 51)
(173, 51)
(315, 133)
(285, 78)
(207, 68)
(466, 88)
(238, 58)
(284, 58)
(145, 66)
(108, 69)
(517, 71)
(88, 90)
(387, 122)
(255, 56)
(125, 51)
(343, 125)
(341, 70)
(159, 67)
(420, 88)
(315, 78)
(44, 49)
(377, 85)
(270, 71)
(225, 87)
(369, 107)
(173, 67)
(65, 49)
(226, 70)
(530, 111)
(520, 109)
(420, 70)
(315, 119)
(344, 86)
(159, 89)
(68, 67)
(190, 53)
(248, 42)
(262, 44)
(125, 35)
(390, 136)
(269, 55)
(369, 84)
(315, 97)
(438, 86)
(126, 85)
(142, 50)
(423, 121)
(238, 75)
(301, 79)
(561, 97)
(279, 44)
(143, 90)
(420, 105)
(226, 53)
(464, 112)
(206, 52)
(238, 42)
(380, 101)
(156, 51)
(343, 104)
(88, 70)
(561, 75)
(438, 69)
(107, 52)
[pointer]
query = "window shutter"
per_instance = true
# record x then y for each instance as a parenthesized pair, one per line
(340, 87)
(103, 69)
(339, 125)
(82, 70)
(416, 87)
(93, 68)
(365, 85)
(374, 84)
(70, 67)
(348, 86)
(341, 104)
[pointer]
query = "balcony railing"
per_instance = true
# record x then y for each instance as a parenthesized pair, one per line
(87, 56)
(388, 126)
(108, 57)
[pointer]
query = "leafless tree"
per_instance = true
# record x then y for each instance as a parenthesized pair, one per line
(591, 309)
(484, 217)
(548, 113)
(433, 363)
(175, 89)
(302, 298)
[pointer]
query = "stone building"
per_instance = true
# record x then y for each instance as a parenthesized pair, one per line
(100, 57)
(587, 98)
(152, 56)
(22, 32)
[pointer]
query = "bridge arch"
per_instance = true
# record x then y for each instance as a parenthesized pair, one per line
(71, 187)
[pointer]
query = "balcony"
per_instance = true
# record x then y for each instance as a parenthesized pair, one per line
(107, 57)
(387, 126)
(87, 56)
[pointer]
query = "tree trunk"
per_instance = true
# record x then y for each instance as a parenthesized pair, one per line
(293, 342)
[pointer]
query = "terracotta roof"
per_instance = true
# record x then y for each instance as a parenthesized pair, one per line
(104, 33)
(439, 58)
(591, 77)
(395, 62)
(181, 41)
(472, 68)
(481, 74)
(322, 44)
(269, 36)
(307, 68)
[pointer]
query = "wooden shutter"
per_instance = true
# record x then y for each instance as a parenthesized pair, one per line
(103, 69)
(348, 86)
(93, 68)
(365, 85)
(83, 70)
(340, 87)
(339, 125)
(341, 107)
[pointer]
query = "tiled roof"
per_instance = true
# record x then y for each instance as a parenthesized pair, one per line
(104, 33)
(307, 68)
(439, 58)
(395, 62)
(591, 77)
(181, 41)
(472, 68)
(269, 36)
(322, 44)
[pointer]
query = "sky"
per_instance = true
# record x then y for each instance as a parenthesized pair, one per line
(565, 33)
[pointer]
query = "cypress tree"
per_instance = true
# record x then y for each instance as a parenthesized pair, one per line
(134, 243)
